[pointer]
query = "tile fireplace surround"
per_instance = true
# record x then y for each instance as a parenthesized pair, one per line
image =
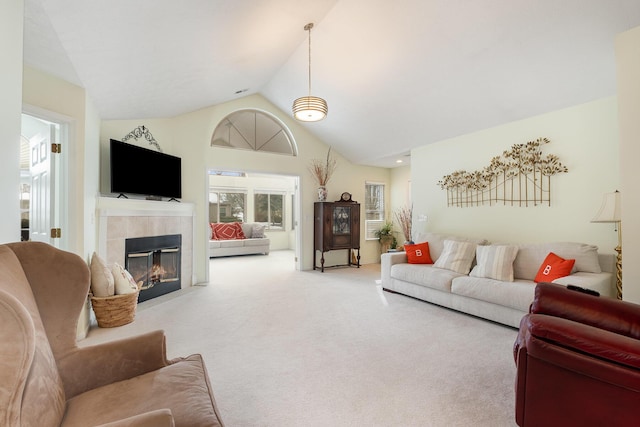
(121, 219)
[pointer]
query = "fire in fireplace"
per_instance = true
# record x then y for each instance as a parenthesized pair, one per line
(154, 261)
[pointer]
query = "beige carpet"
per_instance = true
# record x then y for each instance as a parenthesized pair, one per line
(287, 348)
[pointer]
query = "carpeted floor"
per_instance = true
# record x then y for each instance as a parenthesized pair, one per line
(290, 348)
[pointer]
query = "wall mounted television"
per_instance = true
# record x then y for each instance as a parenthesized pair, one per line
(140, 171)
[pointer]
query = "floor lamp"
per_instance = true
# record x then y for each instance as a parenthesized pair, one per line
(610, 212)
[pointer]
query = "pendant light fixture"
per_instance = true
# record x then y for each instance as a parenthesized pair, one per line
(310, 108)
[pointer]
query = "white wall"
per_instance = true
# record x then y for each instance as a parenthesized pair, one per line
(189, 135)
(400, 197)
(11, 21)
(585, 138)
(91, 177)
(628, 74)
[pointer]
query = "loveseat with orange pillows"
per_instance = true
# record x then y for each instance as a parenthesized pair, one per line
(237, 238)
(492, 281)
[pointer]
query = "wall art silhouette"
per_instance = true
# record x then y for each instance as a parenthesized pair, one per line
(520, 177)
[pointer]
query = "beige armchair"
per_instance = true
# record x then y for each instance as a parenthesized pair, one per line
(47, 380)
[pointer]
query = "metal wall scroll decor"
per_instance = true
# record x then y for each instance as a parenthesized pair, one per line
(520, 177)
(139, 132)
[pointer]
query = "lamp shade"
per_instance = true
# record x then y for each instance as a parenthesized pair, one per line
(310, 109)
(610, 209)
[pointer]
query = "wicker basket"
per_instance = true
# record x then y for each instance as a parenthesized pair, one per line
(116, 310)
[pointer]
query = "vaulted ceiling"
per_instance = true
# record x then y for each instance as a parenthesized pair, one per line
(396, 74)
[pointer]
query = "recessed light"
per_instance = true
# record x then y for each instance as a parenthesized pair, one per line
(399, 161)
(238, 92)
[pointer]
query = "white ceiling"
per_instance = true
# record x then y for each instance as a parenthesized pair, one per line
(396, 74)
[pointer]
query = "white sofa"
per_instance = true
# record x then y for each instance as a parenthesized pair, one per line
(249, 245)
(497, 300)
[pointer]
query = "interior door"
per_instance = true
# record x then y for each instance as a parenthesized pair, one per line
(43, 215)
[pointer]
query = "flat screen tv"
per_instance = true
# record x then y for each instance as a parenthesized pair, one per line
(137, 170)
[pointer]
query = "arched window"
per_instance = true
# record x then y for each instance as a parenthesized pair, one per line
(254, 130)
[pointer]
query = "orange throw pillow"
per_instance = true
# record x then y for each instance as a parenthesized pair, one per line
(554, 267)
(228, 231)
(239, 231)
(418, 253)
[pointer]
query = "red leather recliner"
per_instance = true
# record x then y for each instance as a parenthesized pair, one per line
(578, 360)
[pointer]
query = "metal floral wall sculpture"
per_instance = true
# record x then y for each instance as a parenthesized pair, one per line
(139, 132)
(520, 177)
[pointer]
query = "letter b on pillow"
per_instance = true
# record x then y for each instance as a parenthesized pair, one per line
(553, 267)
(418, 253)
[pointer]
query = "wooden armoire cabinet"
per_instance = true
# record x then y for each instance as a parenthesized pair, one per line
(336, 227)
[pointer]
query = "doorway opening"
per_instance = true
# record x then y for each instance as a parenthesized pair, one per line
(41, 180)
(268, 200)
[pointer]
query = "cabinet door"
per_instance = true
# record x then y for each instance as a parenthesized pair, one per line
(355, 226)
(341, 226)
(342, 220)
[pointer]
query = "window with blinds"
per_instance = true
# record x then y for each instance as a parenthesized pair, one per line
(374, 209)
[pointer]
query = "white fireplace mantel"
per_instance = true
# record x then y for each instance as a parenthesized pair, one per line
(120, 219)
(112, 206)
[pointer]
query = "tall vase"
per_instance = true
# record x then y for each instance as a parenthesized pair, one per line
(322, 193)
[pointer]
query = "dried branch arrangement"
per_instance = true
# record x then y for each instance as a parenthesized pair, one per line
(404, 216)
(519, 177)
(322, 170)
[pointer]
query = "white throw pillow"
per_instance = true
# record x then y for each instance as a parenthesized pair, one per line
(495, 262)
(257, 232)
(124, 283)
(530, 256)
(436, 241)
(102, 284)
(456, 256)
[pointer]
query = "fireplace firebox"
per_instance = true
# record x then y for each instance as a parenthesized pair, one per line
(154, 261)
